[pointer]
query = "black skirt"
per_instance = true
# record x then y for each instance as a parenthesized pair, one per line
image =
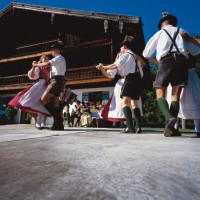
(132, 86)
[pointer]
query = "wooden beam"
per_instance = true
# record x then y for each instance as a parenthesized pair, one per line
(11, 59)
(13, 87)
(65, 49)
(84, 81)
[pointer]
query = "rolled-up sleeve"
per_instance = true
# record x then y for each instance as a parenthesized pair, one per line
(55, 61)
(112, 73)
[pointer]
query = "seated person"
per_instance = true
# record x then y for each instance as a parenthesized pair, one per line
(96, 115)
(86, 118)
(76, 113)
(66, 116)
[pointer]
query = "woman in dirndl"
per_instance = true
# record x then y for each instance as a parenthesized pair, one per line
(29, 99)
(113, 111)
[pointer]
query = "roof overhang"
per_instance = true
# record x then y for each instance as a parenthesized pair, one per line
(70, 12)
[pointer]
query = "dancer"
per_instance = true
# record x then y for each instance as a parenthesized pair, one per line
(171, 55)
(113, 110)
(190, 95)
(127, 66)
(50, 98)
(29, 99)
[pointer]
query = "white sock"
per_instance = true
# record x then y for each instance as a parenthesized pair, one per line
(38, 121)
(43, 120)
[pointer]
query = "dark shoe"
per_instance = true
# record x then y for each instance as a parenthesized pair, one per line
(57, 128)
(169, 127)
(198, 134)
(44, 127)
(139, 130)
(175, 133)
(127, 130)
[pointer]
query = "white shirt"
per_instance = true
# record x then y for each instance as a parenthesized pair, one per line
(161, 42)
(126, 63)
(58, 65)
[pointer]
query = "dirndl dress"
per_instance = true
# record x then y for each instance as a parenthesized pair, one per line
(28, 100)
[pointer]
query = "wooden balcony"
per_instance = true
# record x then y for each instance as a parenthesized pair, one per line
(74, 76)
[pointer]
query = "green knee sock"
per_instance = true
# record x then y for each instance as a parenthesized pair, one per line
(174, 108)
(164, 107)
(68, 118)
(128, 115)
(137, 117)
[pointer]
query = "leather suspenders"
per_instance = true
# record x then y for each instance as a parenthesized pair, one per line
(136, 68)
(173, 41)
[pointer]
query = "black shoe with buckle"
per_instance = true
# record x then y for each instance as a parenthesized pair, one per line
(198, 134)
(176, 133)
(169, 127)
(127, 130)
(57, 128)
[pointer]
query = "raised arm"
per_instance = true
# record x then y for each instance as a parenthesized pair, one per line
(44, 64)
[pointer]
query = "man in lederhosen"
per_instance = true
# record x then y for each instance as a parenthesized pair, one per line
(128, 67)
(171, 56)
(50, 98)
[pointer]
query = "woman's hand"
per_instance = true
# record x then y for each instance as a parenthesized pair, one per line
(99, 66)
(34, 64)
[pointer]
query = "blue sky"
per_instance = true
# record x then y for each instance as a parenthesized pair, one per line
(150, 11)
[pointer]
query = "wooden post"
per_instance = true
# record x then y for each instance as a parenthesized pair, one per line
(183, 124)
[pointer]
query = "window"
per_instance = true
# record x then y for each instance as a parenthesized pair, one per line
(95, 97)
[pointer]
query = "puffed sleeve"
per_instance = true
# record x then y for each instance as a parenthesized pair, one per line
(37, 74)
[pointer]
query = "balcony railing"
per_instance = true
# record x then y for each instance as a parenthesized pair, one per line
(73, 76)
(83, 73)
(15, 80)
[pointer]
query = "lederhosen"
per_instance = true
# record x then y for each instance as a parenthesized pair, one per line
(132, 86)
(172, 67)
(56, 85)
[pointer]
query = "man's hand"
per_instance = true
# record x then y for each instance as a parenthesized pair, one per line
(154, 60)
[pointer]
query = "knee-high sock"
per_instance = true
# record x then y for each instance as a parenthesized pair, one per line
(50, 108)
(174, 108)
(59, 117)
(53, 111)
(43, 120)
(164, 107)
(68, 118)
(128, 115)
(137, 117)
